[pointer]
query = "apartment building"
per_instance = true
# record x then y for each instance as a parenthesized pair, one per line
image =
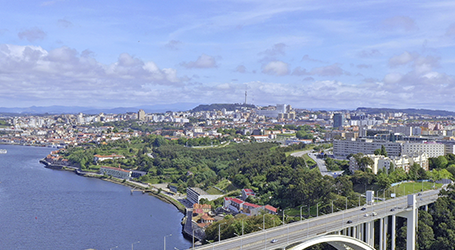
(432, 149)
(343, 148)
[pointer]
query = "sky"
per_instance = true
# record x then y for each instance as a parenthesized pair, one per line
(309, 54)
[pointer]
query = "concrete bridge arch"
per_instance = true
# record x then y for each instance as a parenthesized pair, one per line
(340, 242)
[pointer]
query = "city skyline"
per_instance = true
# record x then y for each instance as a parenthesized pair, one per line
(310, 54)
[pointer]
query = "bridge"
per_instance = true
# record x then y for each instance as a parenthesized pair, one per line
(353, 228)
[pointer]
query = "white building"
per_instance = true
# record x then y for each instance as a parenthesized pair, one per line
(194, 194)
(432, 149)
(383, 163)
(343, 148)
(116, 172)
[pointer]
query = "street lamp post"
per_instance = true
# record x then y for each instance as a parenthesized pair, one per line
(265, 236)
(332, 207)
(132, 245)
(219, 231)
(301, 212)
(241, 241)
(213, 244)
(165, 240)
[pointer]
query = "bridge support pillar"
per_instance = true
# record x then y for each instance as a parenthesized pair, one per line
(371, 240)
(386, 224)
(369, 233)
(393, 234)
(354, 232)
(381, 235)
(411, 217)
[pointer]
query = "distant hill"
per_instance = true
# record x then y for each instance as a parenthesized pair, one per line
(407, 111)
(36, 110)
(220, 106)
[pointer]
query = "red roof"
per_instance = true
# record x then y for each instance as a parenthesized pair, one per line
(248, 191)
(251, 205)
(237, 200)
(206, 217)
(270, 208)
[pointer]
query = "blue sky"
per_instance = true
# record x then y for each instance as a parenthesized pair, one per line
(310, 54)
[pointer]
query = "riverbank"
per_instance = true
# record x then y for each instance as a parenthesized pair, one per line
(144, 188)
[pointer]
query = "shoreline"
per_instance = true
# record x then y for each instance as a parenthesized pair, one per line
(179, 206)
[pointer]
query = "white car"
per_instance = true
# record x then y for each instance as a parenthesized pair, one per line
(273, 241)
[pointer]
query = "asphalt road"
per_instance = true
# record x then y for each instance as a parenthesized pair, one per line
(309, 228)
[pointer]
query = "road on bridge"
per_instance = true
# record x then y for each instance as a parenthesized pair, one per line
(309, 228)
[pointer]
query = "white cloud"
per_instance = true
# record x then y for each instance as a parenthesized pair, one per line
(300, 72)
(32, 34)
(421, 64)
(402, 59)
(64, 23)
(369, 53)
(32, 73)
(307, 58)
(173, 45)
(331, 70)
(203, 62)
(240, 69)
(392, 78)
(278, 68)
(273, 53)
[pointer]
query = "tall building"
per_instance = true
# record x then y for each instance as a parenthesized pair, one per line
(141, 115)
(338, 120)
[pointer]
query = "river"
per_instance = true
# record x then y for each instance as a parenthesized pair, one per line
(42, 208)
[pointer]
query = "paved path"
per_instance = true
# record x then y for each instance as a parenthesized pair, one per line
(320, 162)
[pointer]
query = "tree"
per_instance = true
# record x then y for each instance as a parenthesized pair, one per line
(425, 231)
(377, 152)
(414, 171)
(365, 162)
(383, 151)
(438, 162)
(383, 180)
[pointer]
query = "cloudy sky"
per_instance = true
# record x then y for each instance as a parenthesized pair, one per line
(310, 54)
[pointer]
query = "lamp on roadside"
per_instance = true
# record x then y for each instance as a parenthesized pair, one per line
(301, 212)
(165, 240)
(265, 236)
(213, 244)
(132, 244)
(219, 231)
(241, 241)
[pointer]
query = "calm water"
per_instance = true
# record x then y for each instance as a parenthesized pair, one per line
(42, 208)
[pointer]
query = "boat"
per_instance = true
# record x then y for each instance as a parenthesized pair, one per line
(3, 151)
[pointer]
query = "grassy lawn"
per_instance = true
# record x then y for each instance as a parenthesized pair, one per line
(223, 184)
(413, 187)
(308, 160)
(295, 151)
(213, 190)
